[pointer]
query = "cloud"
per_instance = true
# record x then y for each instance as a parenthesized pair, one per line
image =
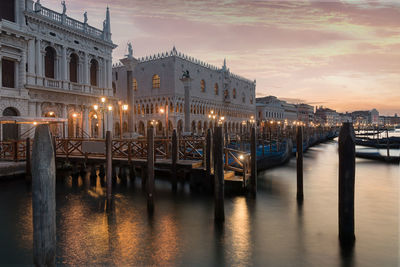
(340, 53)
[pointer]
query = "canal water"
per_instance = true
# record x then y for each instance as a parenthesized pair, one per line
(272, 230)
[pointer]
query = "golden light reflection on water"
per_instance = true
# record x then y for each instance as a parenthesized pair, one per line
(239, 225)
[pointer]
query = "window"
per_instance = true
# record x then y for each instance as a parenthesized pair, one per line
(73, 68)
(8, 73)
(116, 76)
(203, 86)
(93, 72)
(243, 98)
(7, 10)
(134, 84)
(156, 81)
(251, 100)
(234, 93)
(114, 87)
(49, 59)
(216, 89)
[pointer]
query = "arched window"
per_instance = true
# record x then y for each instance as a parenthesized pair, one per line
(234, 93)
(216, 89)
(134, 84)
(8, 73)
(10, 131)
(73, 68)
(114, 87)
(93, 72)
(156, 81)
(7, 10)
(251, 100)
(243, 98)
(49, 59)
(203, 86)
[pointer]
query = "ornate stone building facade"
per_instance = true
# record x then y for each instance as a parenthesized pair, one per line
(54, 66)
(155, 87)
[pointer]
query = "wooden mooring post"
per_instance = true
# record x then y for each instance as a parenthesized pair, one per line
(208, 157)
(299, 163)
(150, 171)
(253, 155)
(174, 155)
(219, 214)
(109, 165)
(44, 198)
(28, 174)
(346, 183)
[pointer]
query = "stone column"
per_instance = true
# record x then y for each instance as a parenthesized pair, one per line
(130, 64)
(38, 60)
(104, 74)
(109, 73)
(22, 70)
(38, 109)
(85, 71)
(86, 120)
(64, 65)
(1, 74)
(31, 62)
(186, 85)
(131, 101)
(65, 116)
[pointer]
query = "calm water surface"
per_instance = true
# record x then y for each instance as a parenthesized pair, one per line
(271, 230)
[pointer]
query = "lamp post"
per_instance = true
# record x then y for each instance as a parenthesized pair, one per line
(122, 108)
(162, 111)
(103, 108)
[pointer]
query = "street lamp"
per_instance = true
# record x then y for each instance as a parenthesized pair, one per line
(122, 108)
(162, 111)
(103, 108)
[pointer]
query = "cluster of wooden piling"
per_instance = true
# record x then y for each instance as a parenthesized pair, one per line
(43, 180)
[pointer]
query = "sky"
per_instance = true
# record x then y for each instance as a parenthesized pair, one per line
(342, 54)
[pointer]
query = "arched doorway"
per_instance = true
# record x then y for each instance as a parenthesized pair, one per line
(193, 127)
(54, 129)
(117, 129)
(10, 131)
(141, 128)
(94, 125)
(180, 126)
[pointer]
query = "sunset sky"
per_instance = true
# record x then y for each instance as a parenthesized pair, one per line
(340, 54)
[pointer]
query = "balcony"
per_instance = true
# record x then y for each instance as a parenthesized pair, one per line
(66, 86)
(69, 22)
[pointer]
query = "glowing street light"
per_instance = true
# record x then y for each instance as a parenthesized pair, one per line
(103, 100)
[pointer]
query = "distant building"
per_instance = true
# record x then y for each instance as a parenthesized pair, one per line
(156, 84)
(305, 113)
(365, 116)
(326, 116)
(270, 108)
(345, 117)
(53, 66)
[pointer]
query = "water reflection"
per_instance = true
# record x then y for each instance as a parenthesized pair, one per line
(273, 230)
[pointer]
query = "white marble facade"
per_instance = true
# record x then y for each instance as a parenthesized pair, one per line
(62, 67)
(156, 85)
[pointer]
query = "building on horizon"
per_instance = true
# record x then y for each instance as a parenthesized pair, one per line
(272, 108)
(326, 116)
(154, 86)
(54, 66)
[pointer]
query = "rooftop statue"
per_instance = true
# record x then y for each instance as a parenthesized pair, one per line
(64, 7)
(85, 17)
(130, 50)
